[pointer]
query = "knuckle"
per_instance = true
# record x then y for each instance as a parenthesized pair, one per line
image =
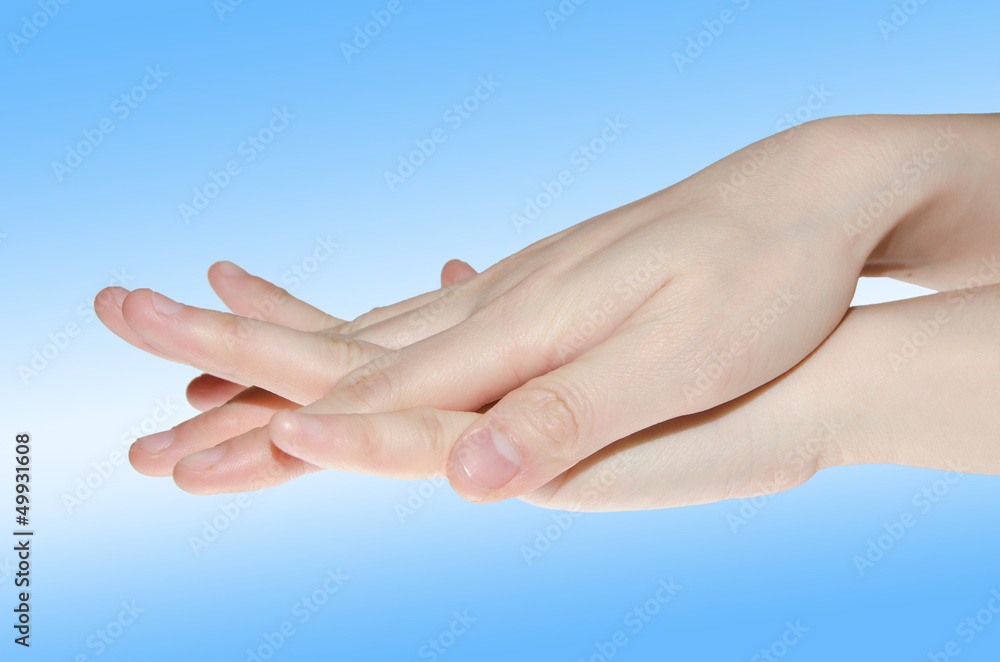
(367, 446)
(371, 387)
(362, 321)
(339, 355)
(556, 412)
(430, 428)
(234, 331)
(220, 422)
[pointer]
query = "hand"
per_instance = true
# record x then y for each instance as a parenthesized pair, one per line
(860, 398)
(230, 407)
(587, 340)
(915, 199)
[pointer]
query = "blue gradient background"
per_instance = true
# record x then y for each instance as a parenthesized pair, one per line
(323, 176)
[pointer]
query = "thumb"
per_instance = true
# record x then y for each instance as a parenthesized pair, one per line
(549, 424)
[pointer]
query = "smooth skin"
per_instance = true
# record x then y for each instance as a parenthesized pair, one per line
(644, 317)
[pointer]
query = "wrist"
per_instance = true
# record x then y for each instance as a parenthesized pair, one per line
(919, 387)
(942, 184)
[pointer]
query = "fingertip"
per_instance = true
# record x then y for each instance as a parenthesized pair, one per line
(136, 303)
(147, 463)
(455, 271)
(283, 428)
(110, 297)
(293, 431)
(207, 391)
(226, 269)
(481, 463)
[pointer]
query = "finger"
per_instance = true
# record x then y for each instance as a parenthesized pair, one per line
(245, 463)
(296, 365)
(455, 271)
(208, 391)
(409, 444)
(399, 330)
(157, 454)
(253, 297)
(543, 428)
(408, 321)
(108, 306)
(412, 444)
(517, 336)
(411, 320)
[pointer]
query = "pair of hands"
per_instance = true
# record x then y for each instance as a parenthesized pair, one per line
(651, 356)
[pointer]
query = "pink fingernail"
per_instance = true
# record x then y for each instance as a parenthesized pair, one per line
(295, 426)
(227, 268)
(488, 459)
(118, 294)
(309, 426)
(204, 459)
(156, 443)
(165, 305)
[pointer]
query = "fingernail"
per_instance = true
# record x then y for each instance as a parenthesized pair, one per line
(488, 459)
(295, 426)
(118, 294)
(156, 443)
(111, 295)
(227, 268)
(308, 426)
(204, 459)
(165, 305)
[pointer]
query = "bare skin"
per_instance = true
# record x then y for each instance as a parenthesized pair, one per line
(662, 342)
